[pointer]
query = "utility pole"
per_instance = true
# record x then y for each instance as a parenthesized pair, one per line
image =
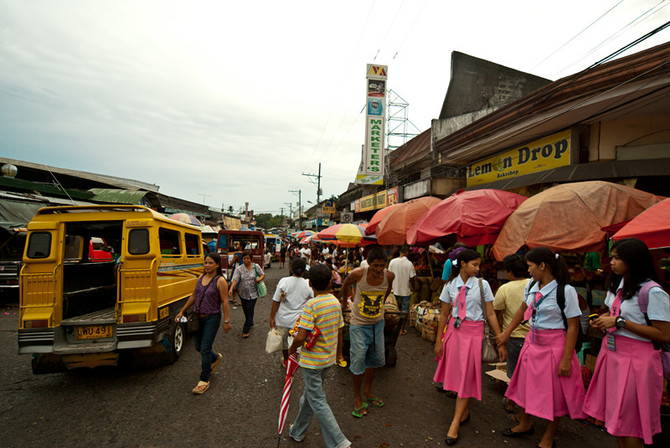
(290, 209)
(318, 183)
(299, 206)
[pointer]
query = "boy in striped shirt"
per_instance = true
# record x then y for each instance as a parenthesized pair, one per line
(325, 313)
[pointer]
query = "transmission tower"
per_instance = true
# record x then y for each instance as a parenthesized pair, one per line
(399, 127)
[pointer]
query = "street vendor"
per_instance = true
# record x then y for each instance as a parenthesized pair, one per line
(366, 331)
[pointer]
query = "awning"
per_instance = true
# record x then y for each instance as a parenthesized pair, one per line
(17, 214)
(584, 171)
(116, 196)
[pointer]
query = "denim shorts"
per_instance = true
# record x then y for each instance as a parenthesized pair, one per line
(366, 347)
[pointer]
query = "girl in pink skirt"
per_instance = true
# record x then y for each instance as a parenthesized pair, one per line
(547, 381)
(459, 367)
(627, 384)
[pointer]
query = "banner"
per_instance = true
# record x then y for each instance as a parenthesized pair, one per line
(371, 171)
(549, 152)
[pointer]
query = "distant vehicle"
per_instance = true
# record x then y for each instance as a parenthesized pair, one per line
(11, 253)
(273, 244)
(80, 307)
(252, 241)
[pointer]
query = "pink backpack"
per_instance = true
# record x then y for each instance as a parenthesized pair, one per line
(643, 302)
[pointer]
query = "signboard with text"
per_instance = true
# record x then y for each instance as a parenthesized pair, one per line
(549, 152)
(372, 166)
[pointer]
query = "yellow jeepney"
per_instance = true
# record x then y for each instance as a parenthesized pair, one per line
(76, 311)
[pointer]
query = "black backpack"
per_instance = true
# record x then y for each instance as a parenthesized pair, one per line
(560, 300)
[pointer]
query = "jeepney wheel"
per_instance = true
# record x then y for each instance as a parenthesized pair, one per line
(177, 338)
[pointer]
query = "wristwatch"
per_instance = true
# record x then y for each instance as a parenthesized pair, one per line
(226, 321)
(620, 322)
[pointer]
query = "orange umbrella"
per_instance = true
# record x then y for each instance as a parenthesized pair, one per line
(570, 217)
(393, 227)
(377, 218)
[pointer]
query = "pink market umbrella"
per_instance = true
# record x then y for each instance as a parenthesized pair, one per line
(393, 228)
(186, 219)
(475, 217)
(291, 367)
(652, 226)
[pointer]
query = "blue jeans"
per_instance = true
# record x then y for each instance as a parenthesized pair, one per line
(248, 308)
(204, 339)
(366, 347)
(403, 303)
(514, 346)
(313, 401)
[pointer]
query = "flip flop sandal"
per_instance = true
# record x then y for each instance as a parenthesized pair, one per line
(375, 401)
(216, 363)
(201, 388)
(360, 412)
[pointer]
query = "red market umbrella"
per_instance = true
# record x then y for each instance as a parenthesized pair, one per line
(652, 226)
(475, 217)
(186, 219)
(378, 217)
(394, 226)
(291, 367)
(570, 217)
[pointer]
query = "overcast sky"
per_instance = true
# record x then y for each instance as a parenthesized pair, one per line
(223, 102)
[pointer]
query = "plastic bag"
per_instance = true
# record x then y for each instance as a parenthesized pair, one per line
(274, 342)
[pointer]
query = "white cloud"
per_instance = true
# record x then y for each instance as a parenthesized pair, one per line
(236, 100)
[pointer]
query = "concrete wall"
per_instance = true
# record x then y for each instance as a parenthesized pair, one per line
(650, 132)
(477, 84)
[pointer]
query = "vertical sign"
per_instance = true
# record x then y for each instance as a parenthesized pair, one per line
(372, 167)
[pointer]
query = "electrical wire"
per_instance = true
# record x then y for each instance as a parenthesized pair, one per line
(639, 18)
(576, 35)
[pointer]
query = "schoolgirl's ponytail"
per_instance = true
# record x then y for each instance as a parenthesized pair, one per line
(555, 262)
(464, 256)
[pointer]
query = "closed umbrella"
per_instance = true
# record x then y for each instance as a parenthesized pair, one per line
(394, 226)
(475, 217)
(291, 367)
(570, 217)
(652, 226)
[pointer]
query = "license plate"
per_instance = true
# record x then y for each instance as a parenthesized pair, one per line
(94, 332)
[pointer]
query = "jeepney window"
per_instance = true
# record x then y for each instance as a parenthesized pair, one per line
(39, 245)
(169, 241)
(138, 241)
(73, 247)
(192, 245)
(223, 242)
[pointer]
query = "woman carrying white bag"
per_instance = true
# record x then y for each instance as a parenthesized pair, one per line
(287, 303)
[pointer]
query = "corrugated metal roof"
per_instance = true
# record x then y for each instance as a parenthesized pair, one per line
(114, 196)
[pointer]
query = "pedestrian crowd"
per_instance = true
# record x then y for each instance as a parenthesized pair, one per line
(535, 325)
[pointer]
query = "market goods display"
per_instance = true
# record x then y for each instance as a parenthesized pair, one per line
(425, 317)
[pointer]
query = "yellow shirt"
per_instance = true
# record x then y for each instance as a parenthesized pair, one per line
(325, 313)
(509, 298)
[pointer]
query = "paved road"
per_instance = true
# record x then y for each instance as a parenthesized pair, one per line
(153, 406)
